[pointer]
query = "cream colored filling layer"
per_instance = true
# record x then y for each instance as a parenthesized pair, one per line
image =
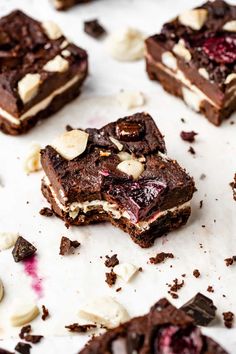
(39, 106)
(75, 208)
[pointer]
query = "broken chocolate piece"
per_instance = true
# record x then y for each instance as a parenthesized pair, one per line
(196, 273)
(111, 278)
(188, 136)
(75, 327)
(32, 338)
(66, 245)
(112, 261)
(228, 319)
(160, 257)
(129, 131)
(23, 348)
(23, 249)
(201, 309)
(94, 29)
(24, 331)
(46, 212)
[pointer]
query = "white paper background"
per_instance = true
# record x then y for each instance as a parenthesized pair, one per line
(69, 281)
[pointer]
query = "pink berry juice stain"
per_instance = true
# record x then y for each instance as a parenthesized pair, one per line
(31, 269)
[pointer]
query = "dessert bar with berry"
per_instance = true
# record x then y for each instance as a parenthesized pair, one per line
(119, 173)
(194, 57)
(164, 330)
(40, 71)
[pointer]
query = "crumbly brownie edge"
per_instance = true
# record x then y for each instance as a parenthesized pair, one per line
(56, 104)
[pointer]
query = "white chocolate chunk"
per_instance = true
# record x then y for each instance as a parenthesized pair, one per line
(1, 290)
(180, 50)
(123, 156)
(52, 30)
(191, 99)
(119, 346)
(24, 313)
(203, 72)
(66, 53)
(230, 26)
(132, 168)
(7, 240)
(130, 99)
(126, 44)
(28, 86)
(64, 44)
(195, 19)
(169, 60)
(230, 78)
(57, 64)
(116, 143)
(71, 144)
(105, 311)
(32, 162)
(125, 271)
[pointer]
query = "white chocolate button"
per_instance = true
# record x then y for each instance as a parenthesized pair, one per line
(52, 30)
(66, 53)
(125, 271)
(195, 19)
(126, 45)
(116, 143)
(57, 64)
(24, 313)
(180, 50)
(130, 99)
(230, 26)
(71, 144)
(7, 240)
(32, 161)
(105, 311)
(191, 99)
(169, 60)
(230, 78)
(203, 72)
(28, 86)
(123, 156)
(132, 168)
(1, 290)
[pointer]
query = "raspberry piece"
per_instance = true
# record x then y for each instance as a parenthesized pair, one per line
(221, 49)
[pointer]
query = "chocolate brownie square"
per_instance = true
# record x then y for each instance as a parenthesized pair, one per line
(194, 58)
(40, 71)
(66, 4)
(164, 329)
(119, 173)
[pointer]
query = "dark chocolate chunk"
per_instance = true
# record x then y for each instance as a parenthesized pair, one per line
(23, 348)
(94, 29)
(45, 314)
(228, 319)
(32, 338)
(23, 249)
(188, 136)
(66, 245)
(201, 309)
(112, 261)
(46, 212)
(75, 327)
(160, 257)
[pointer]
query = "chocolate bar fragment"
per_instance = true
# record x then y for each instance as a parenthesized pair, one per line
(164, 329)
(66, 4)
(194, 58)
(40, 71)
(119, 173)
(201, 309)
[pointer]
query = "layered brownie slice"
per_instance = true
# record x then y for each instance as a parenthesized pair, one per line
(119, 173)
(194, 57)
(165, 330)
(40, 71)
(66, 4)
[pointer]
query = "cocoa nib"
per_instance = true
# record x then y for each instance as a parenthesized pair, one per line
(46, 212)
(75, 327)
(23, 249)
(228, 319)
(94, 29)
(23, 348)
(112, 261)
(160, 257)
(66, 245)
(188, 136)
(45, 314)
(111, 278)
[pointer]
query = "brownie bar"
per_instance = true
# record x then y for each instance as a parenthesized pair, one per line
(66, 4)
(164, 329)
(40, 71)
(194, 58)
(119, 173)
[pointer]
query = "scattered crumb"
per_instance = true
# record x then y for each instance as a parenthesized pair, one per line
(68, 128)
(25, 335)
(66, 245)
(140, 269)
(94, 29)
(75, 327)
(196, 273)
(210, 289)
(191, 150)
(46, 212)
(112, 261)
(228, 319)
(111, 278)
(24, 331)
(233, 186)
(201, 204)
(202, 176)
(45, 314)
(175, 287)
(118, 289)
(182, 120)
(188, 136)
(160, 257)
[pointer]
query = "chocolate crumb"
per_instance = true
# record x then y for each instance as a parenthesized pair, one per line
(45, 314)
(75, 327)
(182, 120)
(118, 289)
(24, 331)
(230, 261)
(201, 204)
(202, 176)
(210, 289)
(196, 273)
(23, 249)
(46, 212)
(33, 338)
(68, 128)
(191, 150)
(188, 136)
(233, 186)
(228, 319)
(23, 348)
(111, 278)
(140, 269)
(160, 257)
(94, 29)
(66, 245)
(173, 295)
(112, 261)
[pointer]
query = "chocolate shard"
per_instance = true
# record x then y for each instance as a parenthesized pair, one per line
(94, 29)
(23, 348)
(201, 309)
(23, 249)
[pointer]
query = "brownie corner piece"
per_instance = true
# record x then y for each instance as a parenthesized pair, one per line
(40, 71)
(119, 173)
(194, 58)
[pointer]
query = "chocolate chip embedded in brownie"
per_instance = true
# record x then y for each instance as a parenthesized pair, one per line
(66, 4)
(40, 71)
(164, 329)
(194, 57)
(119, 173)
